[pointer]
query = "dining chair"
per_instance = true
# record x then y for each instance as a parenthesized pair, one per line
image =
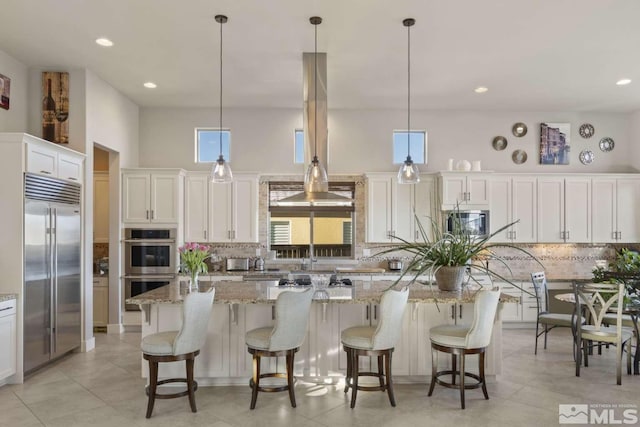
(282, 339)
(598, 300)
(173, 346)
(377, 341)
(545, 318)
(460, 340)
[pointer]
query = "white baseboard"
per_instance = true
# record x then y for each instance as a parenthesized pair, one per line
(115, 329)
(88, 345)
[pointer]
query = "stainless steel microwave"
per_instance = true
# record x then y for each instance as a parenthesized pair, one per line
(472, 222)
(150, 251)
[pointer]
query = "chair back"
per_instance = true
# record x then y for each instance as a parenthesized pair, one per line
(392, 307)
(598, 299)
(196, 312)
(539, 281)
(484, 313)
(292, 319)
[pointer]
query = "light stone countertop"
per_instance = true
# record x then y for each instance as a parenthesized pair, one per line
(8, 297)
(265, 292)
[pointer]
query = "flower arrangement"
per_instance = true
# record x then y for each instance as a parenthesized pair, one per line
(192, 257)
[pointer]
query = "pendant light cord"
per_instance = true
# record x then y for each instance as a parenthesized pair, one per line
(220, 131)
(315, 95)
(408, 92)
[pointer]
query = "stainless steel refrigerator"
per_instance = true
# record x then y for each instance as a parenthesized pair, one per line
(52, 269)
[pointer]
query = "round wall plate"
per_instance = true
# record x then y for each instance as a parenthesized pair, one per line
(586, 130)
(586, 157)
(519, 129)
(607, 144)
(499, 143)
(519, 157)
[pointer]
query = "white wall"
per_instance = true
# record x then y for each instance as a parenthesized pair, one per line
(360, 140)
(635, 133)
(15, 118)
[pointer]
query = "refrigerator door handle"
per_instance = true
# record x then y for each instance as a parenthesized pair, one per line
(54, 280)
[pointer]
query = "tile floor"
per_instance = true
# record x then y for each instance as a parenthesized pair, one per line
(103, 388)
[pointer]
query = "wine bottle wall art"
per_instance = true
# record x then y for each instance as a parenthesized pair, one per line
(55, 107)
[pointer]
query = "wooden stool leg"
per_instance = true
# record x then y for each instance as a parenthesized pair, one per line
(454, 366)
(153, 384)
(434, 369)
(392, 398)
(481, 370)
(381, 371)
(354, 373)
(255, 381)
(462, 357)
(191, 385)
(349, 369)
(292, 396)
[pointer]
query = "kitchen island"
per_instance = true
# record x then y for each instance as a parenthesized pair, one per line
(242, 306)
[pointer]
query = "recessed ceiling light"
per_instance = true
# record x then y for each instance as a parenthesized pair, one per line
(481, 89)
(623, 82)
(104, 42)
(150, 85)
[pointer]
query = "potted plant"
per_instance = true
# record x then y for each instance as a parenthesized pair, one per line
(447, 255)
(192, 258)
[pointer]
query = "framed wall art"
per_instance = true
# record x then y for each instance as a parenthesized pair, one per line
(5, 89)
(55, 107)
(555, 143)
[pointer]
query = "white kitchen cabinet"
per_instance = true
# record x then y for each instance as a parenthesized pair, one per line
(514, 198)
(45, 158)
(100, 207)
(245, 317)
(467, 189)
(196, 208)
(564, 210)
(614, 209)
(100, 301)
(152, 197)
(233, 210)
(8, 339)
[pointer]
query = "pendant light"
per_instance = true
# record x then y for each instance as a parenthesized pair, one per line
(408, 173)
(221, 171)
(315, 180)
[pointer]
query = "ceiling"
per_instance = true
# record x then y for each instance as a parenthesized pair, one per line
(533, 55)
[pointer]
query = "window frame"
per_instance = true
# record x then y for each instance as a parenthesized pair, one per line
(227, 156)
(393, 146)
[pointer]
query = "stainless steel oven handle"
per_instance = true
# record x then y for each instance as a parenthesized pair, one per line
(149, 240)
(150, 277)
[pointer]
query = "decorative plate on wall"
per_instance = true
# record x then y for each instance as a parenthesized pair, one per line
(586, 130)
(519, 129)
(499, 143)
(607, 144)
(586, 157)
(519, 157)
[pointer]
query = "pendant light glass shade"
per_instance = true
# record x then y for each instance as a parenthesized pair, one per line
(408, 173)
(221, 171)
(316, 179)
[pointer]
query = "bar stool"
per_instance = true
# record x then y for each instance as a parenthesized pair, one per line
(460, 340)
(283, 339)
(173, 346)
(377, 341)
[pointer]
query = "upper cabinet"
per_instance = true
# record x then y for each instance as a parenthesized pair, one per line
(564, 209)
(615, 205)
(46, 158)
(152, 196)
(100, 207)
(513, 198)
(221, 212)
(466, 189)
(392, 208)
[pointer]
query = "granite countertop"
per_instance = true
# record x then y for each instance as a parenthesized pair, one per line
(8, 297)
(265, 292)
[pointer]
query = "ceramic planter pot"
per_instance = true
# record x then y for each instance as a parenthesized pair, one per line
(450, 278)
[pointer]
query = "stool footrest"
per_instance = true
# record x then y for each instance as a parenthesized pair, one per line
(457, 374)
(270, 389)
(172, 395)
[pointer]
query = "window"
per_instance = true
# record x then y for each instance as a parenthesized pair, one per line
(280, 232)
(208, 144)
(418, 141)
(298, 147)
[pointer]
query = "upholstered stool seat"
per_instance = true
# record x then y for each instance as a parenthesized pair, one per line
(461, 340)
(377, 341)
(173, 346)
(282, 340)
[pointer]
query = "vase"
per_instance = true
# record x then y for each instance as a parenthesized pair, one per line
(449, 278)
(193, 282)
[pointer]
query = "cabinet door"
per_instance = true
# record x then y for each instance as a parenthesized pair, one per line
(100, 208)
(248, 317)
(220, 212)
(478, 190)
(379, 206)
(42, 160)
(196, 208)
(136, 197)
(245, 209)
(577, 210)
(424, 198)
(352, 315)
(403, 213)
(603, 210)
(428, 316)
(8, 344)
(216, 345)
(453, 189)
(164, 198)
(70, 168)
(550, 210)
(100, 301)
(511, 312)
(500, 208)
(628, 200)
(524, 209)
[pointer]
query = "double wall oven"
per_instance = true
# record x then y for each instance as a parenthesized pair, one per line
(150, 260)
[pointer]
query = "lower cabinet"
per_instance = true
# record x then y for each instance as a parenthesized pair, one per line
(8, 342)
(100, 301)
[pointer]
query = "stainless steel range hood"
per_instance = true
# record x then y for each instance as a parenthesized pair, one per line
(315, 114)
